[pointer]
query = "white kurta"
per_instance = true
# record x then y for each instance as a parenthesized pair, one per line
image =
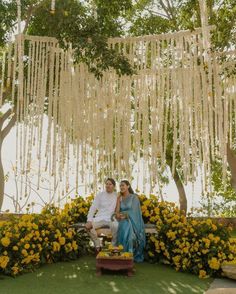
(105, 204)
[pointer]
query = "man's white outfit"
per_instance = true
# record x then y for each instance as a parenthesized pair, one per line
(104, 204)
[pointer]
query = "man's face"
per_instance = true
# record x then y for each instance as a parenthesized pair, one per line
(109, 187)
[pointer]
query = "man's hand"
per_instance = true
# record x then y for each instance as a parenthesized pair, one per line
(89, 226)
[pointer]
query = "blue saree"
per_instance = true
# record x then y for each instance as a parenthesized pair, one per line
(131, 232)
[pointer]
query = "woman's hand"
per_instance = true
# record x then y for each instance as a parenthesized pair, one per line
(118, 216)
(121, 216)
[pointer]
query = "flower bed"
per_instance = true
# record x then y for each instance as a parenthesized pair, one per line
(31, 240)
(197, 246)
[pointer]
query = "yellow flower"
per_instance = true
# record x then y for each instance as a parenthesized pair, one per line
(15, 270)
(68, 247)
(15, 248)
(176, 259)
(24, 252)
(127, 254)
(56, 246)
(214, 263)
(209, 222)
(150, 253)
(5, 241)
(35, 226)
(110, 247)
(4, 261)
(27, 246)
(214, 227)
(102, 254)
(202, 274)
(69, 234)
(74, 245)
(37, 234)
(120, 247)
(146, 213)
(171, 235)
(205, 251)
(185, 250)
(62, 240)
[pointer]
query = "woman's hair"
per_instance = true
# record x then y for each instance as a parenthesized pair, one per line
(112, 181)
(127, 183)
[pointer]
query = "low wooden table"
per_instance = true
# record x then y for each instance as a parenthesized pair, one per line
(115, 264)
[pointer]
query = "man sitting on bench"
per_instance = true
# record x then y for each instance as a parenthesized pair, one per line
(104, 206)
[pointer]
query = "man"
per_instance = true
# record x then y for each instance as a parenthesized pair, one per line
(104, 206)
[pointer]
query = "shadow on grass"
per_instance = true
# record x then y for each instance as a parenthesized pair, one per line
(79, 277)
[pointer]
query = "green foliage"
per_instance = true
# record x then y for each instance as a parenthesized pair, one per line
(223, 193)
(221, 14)
(153, 24)
(75, 22)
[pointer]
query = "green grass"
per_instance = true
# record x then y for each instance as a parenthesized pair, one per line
(79, 277)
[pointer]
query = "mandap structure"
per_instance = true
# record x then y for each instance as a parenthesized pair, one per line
(181, 92)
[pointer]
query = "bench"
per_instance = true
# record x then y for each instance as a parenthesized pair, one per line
(106, 232)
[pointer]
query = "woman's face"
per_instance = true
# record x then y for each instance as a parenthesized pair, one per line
(124, 188)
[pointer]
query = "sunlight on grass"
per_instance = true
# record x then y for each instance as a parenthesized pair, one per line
(80, 277)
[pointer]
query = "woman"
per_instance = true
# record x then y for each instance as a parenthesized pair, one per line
(131, 233)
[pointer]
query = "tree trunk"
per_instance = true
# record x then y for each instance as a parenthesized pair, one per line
(3, 133)
(2, 178)
(182, 195)
(231, 158)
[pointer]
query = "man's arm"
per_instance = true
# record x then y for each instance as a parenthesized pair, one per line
(92, 210)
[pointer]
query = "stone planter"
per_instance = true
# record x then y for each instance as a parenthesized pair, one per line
(229, 271)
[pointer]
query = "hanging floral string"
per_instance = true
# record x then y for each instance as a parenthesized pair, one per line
(117, 124)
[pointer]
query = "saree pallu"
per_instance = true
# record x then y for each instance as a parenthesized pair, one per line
(131, 231)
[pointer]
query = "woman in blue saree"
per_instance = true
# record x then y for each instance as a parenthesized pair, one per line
(131, 232)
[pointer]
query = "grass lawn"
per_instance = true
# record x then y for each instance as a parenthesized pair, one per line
(79, 277)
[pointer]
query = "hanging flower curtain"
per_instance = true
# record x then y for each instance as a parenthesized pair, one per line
(177, 97)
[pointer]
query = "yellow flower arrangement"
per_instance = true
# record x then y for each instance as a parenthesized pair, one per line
(187, 244)
(194, 245)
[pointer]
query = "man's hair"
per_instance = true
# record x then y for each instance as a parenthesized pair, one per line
(112, 181)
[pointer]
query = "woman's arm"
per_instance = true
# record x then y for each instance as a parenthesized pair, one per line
(117, 210)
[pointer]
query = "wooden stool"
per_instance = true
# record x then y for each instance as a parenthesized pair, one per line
(114, 264)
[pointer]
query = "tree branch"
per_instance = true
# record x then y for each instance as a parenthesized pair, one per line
(165, 9)
(156, 13)
(5, 94)
(8, 127)
(29, 14)
(4, 117)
